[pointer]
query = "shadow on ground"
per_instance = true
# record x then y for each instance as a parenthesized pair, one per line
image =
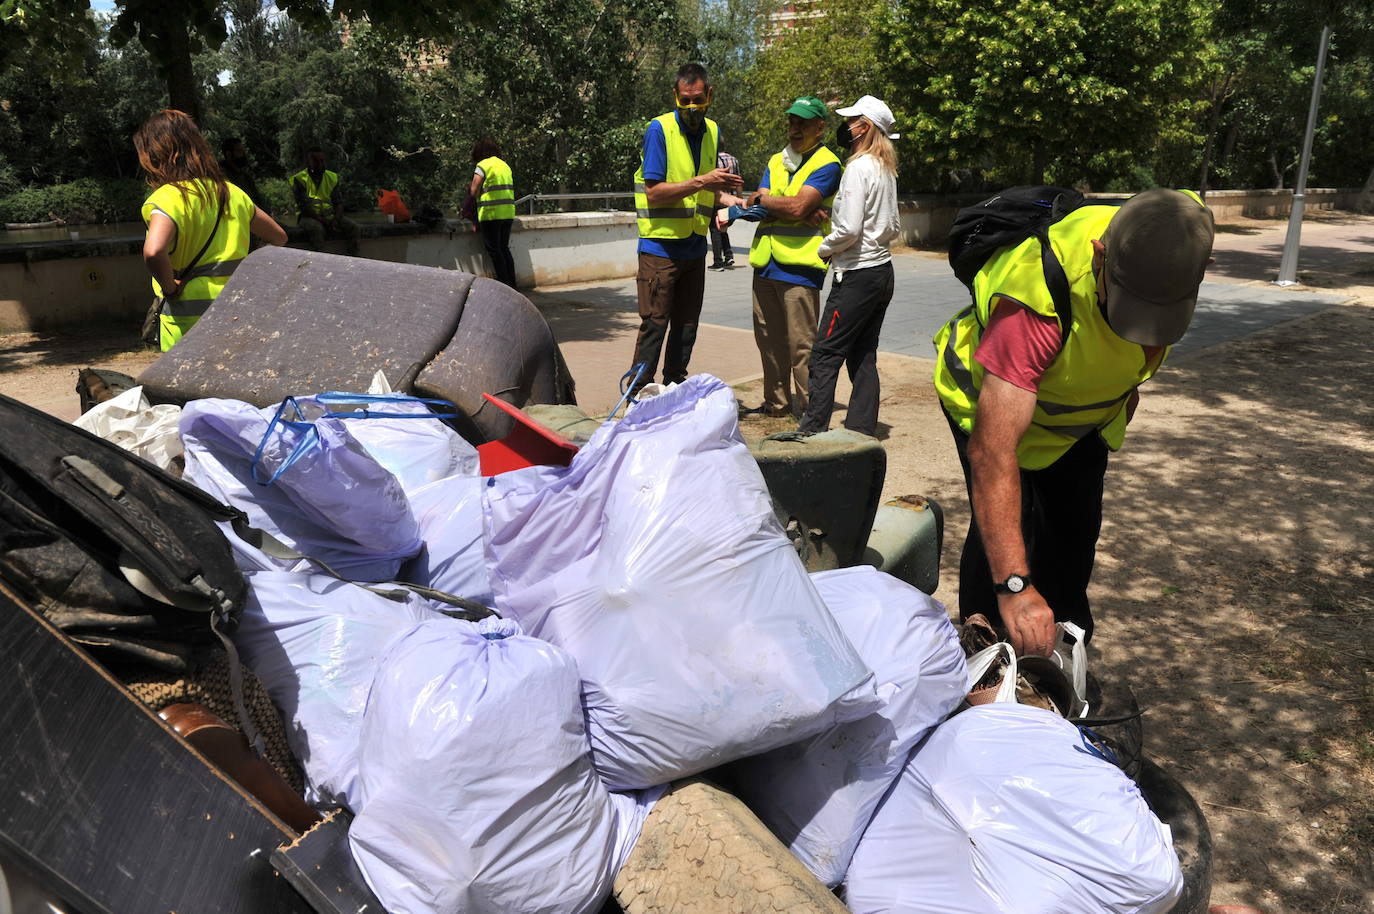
(1264, 263)
(89, 344)
(587, 312)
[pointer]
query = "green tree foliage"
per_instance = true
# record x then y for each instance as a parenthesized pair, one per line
(831, 51)
(1021, 90)
(564, 87)
(1263, 56)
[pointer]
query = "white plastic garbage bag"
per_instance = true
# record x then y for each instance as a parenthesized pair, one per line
(325, 496)
(315, 642)
(655, 559)
(130, 422)
(403, 434)
(449, 513)
(818, 795)
(478, 793)
(1008, 808)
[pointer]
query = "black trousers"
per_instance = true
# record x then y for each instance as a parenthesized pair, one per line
(848, 335)
(721, 252)
(1061, 517)
(496, 239)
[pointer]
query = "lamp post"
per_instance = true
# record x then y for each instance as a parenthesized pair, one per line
(1288, 264)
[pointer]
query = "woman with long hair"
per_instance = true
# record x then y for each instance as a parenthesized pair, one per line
(198, 223)
(492, 192)
(863, 224)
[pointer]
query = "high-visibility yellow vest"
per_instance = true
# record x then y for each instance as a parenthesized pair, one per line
(194, 215)
(497, 200)
(321, 193)
(1086, 388)
(691, 215)
(792, 241)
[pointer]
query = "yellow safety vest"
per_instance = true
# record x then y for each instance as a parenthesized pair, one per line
(693, 213)
(321, 193)
(497, 200)
(194, 215)
(1086, 388)
(792, 241)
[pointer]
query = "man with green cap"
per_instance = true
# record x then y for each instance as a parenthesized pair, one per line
(1035, 410)
(797, 191)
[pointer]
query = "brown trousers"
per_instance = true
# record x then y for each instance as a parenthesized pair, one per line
(785, 317)
(670, 294)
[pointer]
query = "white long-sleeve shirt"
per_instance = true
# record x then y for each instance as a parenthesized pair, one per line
(863, 220)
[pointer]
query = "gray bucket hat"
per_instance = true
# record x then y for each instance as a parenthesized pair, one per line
(1158, 244)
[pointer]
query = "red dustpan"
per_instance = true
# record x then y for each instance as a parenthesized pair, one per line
(528, 444)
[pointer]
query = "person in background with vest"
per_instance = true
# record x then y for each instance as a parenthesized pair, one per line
(677, 188)
(195, 219)
(1035, 411)
(797, 189)
(493, 188)
(317, 199)
(863, 222)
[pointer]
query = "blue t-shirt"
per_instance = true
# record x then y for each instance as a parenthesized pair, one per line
(656, 169)
(825, 179)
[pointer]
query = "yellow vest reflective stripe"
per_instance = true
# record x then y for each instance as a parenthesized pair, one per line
(194, 216)
(691, 215)
(320, 193)
(792, 241)
(497, 200)
(1086, 388)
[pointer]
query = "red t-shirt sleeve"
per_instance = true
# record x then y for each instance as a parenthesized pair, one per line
(1018, 345)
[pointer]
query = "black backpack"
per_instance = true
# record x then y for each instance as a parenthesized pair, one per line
(118, 554)
(1007, 219)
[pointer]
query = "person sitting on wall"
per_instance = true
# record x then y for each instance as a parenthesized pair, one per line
(317, 200)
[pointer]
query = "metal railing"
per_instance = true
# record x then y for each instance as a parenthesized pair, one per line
(608, 196)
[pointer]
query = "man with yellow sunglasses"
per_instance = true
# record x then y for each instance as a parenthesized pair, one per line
(677, 190)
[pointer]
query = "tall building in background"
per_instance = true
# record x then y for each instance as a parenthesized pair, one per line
(788, 14)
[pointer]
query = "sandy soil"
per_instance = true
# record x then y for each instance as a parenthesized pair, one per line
(1235, 582)
(1234, 589)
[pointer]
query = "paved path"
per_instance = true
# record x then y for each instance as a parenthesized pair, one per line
(596, 322)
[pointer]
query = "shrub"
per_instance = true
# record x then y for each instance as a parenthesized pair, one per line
(84, 200)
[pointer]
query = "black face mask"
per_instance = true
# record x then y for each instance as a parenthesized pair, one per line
(845, 137)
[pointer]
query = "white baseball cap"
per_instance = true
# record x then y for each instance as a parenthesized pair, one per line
(875, 110)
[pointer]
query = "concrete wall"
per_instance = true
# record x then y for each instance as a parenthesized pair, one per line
(44, 285)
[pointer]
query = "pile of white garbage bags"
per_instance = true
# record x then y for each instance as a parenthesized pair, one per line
(656, 560)
(654, 622)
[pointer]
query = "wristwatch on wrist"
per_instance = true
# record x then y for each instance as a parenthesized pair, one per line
(1013, 584)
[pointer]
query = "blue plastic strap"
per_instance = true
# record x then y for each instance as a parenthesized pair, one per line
(627, 385)
(309, 438)
(1103, 752)
(342, 397)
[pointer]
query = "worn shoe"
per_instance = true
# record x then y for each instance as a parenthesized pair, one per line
(717, 267)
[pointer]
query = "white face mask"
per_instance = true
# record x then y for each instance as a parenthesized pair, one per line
(791, 159)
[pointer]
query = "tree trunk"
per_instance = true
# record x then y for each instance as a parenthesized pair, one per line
(1219, 96)
(1038, 162)
(181, 77)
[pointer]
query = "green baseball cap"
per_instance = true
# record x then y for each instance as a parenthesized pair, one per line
(808, 106)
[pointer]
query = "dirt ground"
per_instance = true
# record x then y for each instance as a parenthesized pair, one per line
(1234, 587)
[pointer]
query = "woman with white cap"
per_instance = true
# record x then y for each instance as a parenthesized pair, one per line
(863, 224)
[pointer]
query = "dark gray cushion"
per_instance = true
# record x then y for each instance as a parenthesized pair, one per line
(502, 347)
(291, 321)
